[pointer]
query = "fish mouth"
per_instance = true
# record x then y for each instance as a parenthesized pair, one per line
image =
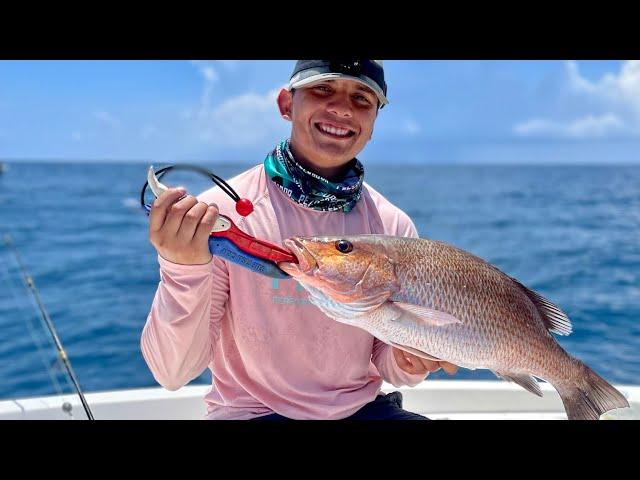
(306, 261)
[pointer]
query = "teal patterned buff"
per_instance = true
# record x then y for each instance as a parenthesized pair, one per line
(310, 189)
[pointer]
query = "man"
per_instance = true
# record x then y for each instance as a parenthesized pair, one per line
(272, 354)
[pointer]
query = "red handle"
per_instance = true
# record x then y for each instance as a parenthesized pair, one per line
(255, 247)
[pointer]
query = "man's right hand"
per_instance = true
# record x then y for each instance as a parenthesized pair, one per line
(179, 228)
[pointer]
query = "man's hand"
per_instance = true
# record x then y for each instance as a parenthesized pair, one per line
(415, 365)
(179, 227)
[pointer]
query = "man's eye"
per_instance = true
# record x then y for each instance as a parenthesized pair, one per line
(323, 88)
(363, 100)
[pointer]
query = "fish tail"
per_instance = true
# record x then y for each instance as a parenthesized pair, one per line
(590, 396)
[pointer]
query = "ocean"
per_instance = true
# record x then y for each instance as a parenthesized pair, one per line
(572, 233)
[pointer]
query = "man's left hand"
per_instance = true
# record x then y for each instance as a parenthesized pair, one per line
(415, 365)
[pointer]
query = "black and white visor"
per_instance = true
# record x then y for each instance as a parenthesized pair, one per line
(367, 72)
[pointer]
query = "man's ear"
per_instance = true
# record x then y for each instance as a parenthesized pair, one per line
(285, 103)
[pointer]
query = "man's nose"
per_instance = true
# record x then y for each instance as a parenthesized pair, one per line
(340, 106)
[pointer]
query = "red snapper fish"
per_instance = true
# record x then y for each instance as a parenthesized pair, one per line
(442, 303)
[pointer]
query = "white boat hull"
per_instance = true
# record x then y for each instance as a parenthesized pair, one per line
(436, 399)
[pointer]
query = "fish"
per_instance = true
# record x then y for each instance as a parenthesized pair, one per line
(442, 303)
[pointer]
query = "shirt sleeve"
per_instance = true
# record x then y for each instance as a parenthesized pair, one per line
(406, 227)
(184, 322)
(386, 364)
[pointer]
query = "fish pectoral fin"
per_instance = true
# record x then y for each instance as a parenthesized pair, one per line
(415, 351)
(434, 318)
(525, 380)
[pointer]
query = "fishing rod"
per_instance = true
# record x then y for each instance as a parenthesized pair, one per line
(62, 354)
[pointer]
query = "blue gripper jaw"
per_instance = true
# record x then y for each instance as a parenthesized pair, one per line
(225, 248)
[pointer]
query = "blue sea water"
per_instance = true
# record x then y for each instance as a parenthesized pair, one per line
(570, 233)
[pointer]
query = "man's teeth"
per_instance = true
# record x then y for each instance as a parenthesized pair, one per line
(340, 132)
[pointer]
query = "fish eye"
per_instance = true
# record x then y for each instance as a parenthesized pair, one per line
(344, 246)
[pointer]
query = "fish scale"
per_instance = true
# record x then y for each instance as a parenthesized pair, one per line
(447, 284)
(398, 289)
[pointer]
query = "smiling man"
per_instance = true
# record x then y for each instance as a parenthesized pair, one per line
(327, 138)
(272, 354)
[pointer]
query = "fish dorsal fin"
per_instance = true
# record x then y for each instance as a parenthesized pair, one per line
(554, 319)
(415, 351)
(434, 318)
(525, 380)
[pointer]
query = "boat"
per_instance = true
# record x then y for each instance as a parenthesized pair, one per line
(436, 399)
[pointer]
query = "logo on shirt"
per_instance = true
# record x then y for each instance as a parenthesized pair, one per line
(288, 300)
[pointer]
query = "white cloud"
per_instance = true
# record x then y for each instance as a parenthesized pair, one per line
(585, 127)
(206, 68)
(106, 118)
(412, 127)
(242, 120)
(622, 89)
(210, 75)
(614, 101)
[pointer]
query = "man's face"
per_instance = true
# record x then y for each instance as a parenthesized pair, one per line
(332, 120)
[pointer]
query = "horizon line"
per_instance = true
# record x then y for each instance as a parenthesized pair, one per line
(365, 162)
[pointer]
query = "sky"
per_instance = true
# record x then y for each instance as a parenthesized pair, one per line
(440, 112)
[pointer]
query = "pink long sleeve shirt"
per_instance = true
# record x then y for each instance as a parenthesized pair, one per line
(268, 348)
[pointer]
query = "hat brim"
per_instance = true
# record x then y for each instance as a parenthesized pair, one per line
(319, 77)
